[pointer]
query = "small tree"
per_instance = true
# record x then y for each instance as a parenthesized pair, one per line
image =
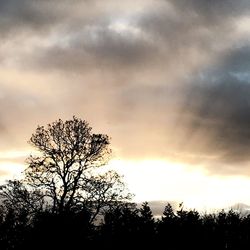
(66, 171)
(147, 231)
(146, 214)
(17, 198)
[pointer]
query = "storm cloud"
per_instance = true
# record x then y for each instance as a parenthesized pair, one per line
(165, 79)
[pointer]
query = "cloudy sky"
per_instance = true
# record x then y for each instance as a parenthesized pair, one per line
(167, 80)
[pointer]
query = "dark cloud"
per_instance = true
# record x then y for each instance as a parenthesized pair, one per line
(213, 116)
(98, 47)
(220, 111)
(163, 78)
(17, 16)
(212, 11)
(237, 62)
(205, 119)
(169, 33)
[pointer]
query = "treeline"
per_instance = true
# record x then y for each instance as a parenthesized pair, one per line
(124, 226)
(66, 200)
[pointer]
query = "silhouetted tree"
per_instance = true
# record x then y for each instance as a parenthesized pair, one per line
(189, 227)
(168, 227)
(146, 213)
(65, 189)
(65, 175)
(69, 230)
(209, 230)
(121, 226)
(16, 197)
(14, 227)
(147, 225)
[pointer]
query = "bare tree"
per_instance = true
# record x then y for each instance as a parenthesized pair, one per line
(17, 198)
(67, 172)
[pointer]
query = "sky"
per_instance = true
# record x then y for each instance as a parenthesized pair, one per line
(167, 80)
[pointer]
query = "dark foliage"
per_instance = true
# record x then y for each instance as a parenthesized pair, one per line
(125, 226)
(64, 202)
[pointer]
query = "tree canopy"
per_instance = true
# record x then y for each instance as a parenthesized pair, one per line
(66, 170)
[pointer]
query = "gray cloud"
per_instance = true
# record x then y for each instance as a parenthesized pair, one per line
(162, 33)
(18, 16)
(162, 78)
(205, 120)
(97, 47)
(211, 10)
(220, 111)
(172, 36)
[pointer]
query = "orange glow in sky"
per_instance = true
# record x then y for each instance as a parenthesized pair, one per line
(167, 80)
